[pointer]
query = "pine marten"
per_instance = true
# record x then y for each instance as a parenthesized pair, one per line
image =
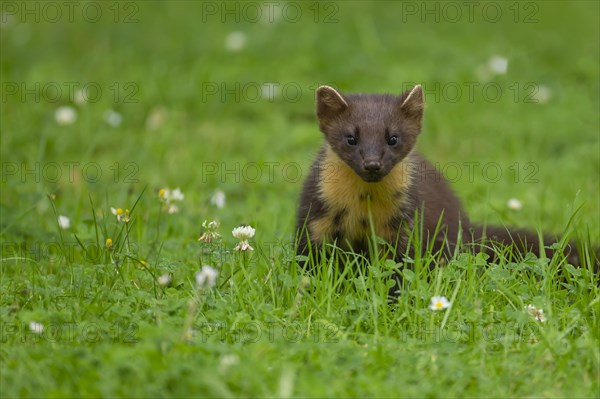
(368, 178)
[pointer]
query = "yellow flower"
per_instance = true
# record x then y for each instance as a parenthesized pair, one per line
(109, 243)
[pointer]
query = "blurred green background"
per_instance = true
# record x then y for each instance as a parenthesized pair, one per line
(218, 97)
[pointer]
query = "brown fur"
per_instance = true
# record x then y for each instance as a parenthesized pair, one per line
(362, 174)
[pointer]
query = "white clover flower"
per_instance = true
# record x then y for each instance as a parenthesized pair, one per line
(36, 327)
(113, 118)
(172, 209)
(514, 204)
(209, 234)
(439, 303)
(235, 41)
(176, 195)
(64, 222)
(65, 115)
(218, 199)
(122, 215)
(498, 65)
(243, 232)
(165, 279)
(536, 313)
(206, 277)
(243, 246)
(211, 225)
(170, 196)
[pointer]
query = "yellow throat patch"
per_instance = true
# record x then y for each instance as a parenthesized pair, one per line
(348, 198)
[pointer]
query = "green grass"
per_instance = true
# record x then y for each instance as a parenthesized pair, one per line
(268, 329)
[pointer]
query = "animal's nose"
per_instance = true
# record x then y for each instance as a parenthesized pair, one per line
(372, 166)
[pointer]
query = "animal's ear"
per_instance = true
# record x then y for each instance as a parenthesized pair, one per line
(413, 104)
(329, 102)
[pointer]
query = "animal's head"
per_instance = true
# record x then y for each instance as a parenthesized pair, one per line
(370, 132)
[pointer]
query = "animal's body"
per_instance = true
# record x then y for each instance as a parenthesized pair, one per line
(368, 175)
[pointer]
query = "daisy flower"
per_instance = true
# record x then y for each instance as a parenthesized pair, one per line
(122, 215)
(439, 303)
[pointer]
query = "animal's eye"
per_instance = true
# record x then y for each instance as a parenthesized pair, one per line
(351, 140)
(393, 140)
